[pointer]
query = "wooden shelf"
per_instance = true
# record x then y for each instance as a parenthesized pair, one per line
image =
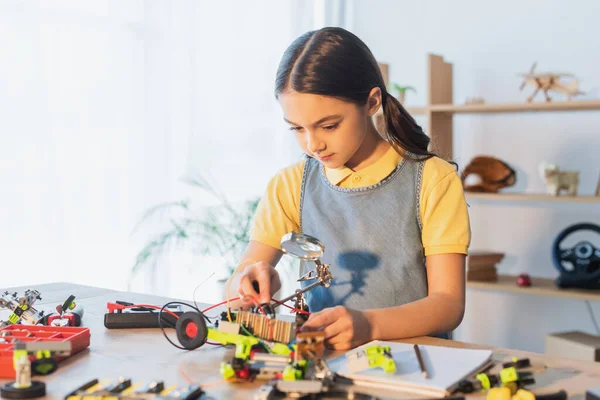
(574, 105)
(417, 110)
(539, 287)
(533, 197)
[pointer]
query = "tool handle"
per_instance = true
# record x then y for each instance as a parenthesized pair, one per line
(561, 395)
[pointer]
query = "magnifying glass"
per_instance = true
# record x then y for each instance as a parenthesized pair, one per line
(307, 248)
(302, 246)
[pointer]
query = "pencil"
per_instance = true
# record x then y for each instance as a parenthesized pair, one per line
(421, 363)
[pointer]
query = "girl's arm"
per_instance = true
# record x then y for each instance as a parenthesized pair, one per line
(255, 255)
(441, 311)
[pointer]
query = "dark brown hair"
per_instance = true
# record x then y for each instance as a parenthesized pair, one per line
(334, 62)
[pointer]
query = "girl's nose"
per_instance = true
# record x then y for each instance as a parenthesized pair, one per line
(313, 144)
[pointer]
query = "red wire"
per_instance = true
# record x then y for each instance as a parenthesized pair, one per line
(171, 313)
(256, 303)
(219, 304)
(291, 308)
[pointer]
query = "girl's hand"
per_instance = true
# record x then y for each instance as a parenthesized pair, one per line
(344, 328)
(268, 283)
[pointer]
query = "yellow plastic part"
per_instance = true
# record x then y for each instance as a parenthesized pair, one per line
(43, 354)
(377, 356)
(509, 375)
(227, 371)
(501, 393)
(17, 354)
(523, 394)
(291, 374)
(485, 381)
(281, 349)
(243, 344)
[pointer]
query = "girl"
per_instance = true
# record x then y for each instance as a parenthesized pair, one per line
(392, 215)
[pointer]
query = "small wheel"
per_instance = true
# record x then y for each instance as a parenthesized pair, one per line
(191, 330)
(44, 366)
(37, 389)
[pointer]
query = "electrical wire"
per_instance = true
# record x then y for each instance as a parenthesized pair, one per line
(291, 308)
(242, 264)
(196, 288)
(219, 304)
(187, 379)
(589, 307)
(259, 341)
(162, 327)
(160, 321)
(195, 307)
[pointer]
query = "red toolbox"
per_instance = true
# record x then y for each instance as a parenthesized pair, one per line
(78, 336)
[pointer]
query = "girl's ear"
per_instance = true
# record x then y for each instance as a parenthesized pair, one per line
(373, 101)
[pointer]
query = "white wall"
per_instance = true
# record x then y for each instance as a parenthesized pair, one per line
(489, 44)
(78, 161)
(105, 106)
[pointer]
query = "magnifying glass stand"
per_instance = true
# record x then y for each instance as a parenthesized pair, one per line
(306, 248)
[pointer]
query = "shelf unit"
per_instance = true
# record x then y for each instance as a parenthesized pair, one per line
(439, 113)
(516, 197)
(539, 287)
(505, 108)
(439, 109)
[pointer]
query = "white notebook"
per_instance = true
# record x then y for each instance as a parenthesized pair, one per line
(446, 367)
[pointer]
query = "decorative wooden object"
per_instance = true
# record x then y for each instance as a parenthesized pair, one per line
(546, 81)
(557, 180)
(440, 111)
(475, 100)
(494, 175)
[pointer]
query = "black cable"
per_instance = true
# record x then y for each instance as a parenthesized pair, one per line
(160, 320)
(589, 306)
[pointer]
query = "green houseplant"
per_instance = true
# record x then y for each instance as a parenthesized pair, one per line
(401, 90)
(220, 230)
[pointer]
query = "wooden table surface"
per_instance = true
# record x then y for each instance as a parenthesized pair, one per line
(145, 355)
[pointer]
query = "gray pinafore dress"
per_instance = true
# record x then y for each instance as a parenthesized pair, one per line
(372, 238)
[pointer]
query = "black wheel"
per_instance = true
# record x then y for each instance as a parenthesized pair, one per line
(579, 266)
(37, 389)
(191, 330)
(77, 319)
(44, 366)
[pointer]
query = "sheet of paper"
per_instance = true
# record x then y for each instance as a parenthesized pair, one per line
(446, 366)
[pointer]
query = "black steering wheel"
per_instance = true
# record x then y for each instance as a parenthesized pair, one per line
(584, 257)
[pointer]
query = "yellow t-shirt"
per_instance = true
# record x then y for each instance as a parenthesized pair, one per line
(444, 215)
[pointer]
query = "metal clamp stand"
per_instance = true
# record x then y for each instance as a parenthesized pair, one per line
(306, 248)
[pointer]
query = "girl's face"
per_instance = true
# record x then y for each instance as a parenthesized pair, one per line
(329, 129)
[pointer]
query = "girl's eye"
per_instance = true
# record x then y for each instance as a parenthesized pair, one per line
(295, 128)
(331, 127)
